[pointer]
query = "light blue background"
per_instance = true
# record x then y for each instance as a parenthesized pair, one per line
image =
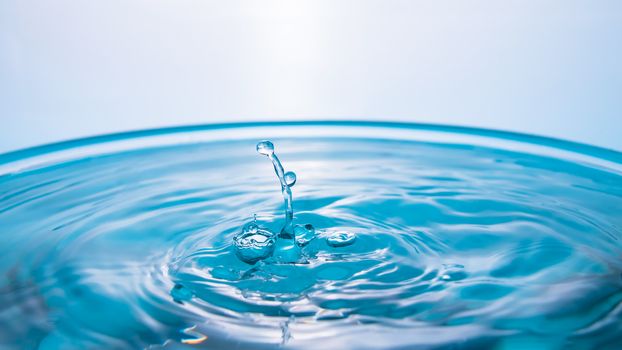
(78, 68)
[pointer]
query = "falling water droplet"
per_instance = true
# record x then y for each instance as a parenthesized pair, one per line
(290, 178)
(304, 234)
(340, 238)
(254, 243)
(265, 147)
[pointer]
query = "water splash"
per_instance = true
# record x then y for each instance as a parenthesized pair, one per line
(254, 243)
(257, 243)
(287, 180)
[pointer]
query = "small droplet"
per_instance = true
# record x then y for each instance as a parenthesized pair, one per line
(265, 147)
(251, 228)
(181, 293)
(340, 238)
(304, 234)
(254, 243)
(290, 178)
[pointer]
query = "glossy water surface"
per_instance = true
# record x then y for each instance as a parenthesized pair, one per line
(457, 245)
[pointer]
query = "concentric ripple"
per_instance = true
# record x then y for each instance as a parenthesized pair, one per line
(464, 239)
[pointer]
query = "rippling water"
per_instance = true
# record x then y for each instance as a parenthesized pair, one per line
(126, 244)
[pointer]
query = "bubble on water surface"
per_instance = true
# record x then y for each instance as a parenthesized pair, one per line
(340, 238)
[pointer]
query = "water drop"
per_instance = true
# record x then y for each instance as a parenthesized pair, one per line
(340, 238)
(290, 178)
(265, 147)
(181, 293)
(304, 234)
(251, 228)
(254, 243)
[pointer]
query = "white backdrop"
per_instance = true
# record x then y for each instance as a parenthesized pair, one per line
(72, 68)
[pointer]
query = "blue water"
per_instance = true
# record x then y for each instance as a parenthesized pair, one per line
(256, 243)
(463, 239)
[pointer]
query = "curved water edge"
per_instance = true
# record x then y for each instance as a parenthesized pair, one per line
(468, 241)
(373, 129)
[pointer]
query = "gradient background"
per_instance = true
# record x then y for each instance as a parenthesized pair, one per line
(77, 68)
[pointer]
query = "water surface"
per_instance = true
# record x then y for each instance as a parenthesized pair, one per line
(465, 239)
